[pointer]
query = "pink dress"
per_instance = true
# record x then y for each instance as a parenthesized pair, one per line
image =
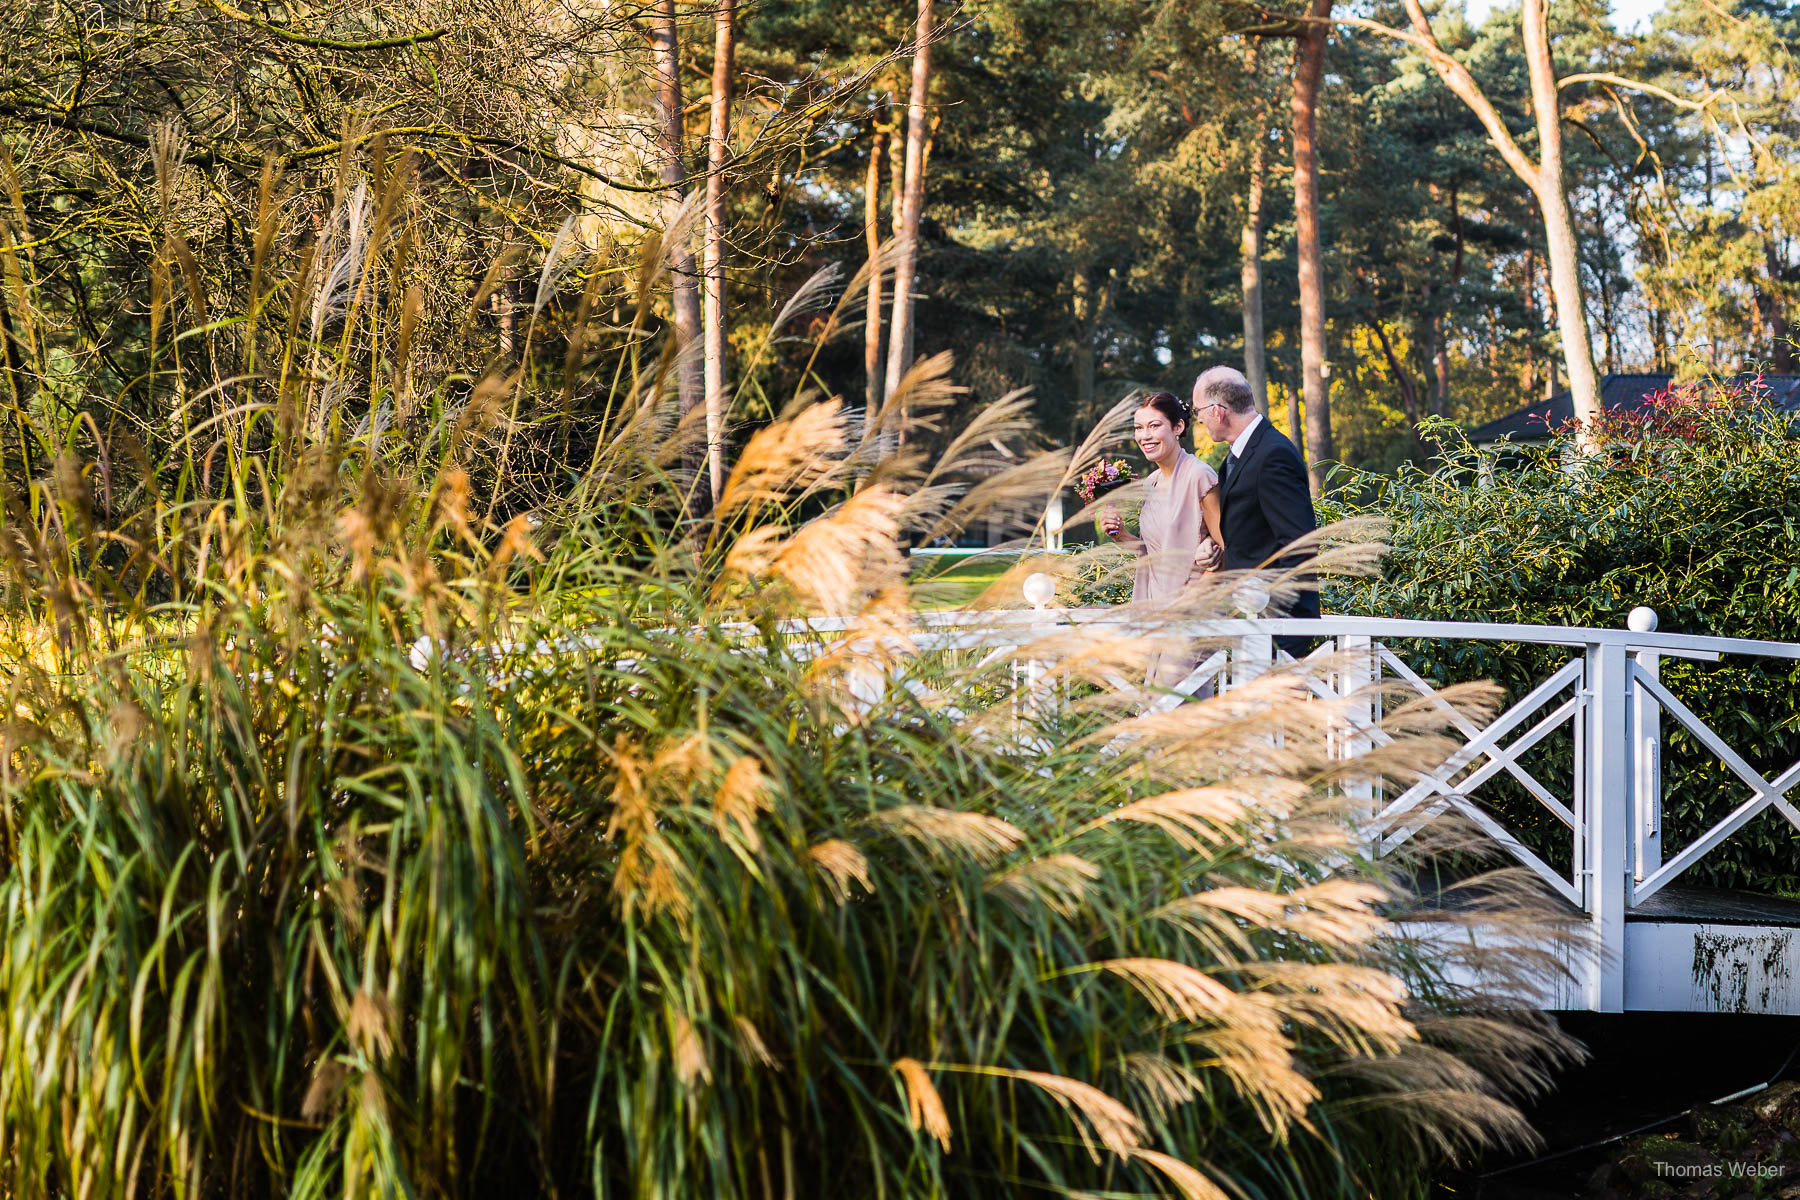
(1172, 545)
(1173, 549)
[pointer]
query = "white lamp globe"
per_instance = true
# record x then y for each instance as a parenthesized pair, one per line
(1251, 598)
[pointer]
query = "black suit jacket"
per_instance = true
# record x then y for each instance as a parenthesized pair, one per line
(1265, 505)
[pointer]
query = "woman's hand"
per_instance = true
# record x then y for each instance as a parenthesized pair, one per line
(1112, 522)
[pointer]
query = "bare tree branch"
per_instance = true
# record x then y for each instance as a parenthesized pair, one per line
(1639, 86)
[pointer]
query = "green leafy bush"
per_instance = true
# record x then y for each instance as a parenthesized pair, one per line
(1691, 507)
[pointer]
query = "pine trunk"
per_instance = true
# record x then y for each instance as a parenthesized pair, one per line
(872, 360)
(1531, 320)
(1409, 392)
(1296, 423)
(1440, 390)
(1089, 302)
(1309, 71)
(718, 155)
(897, 176)
(666, 54)
(1432, 328)
(1559, 220)
(900, 334)
(1772, 300)
(1250, 250)
(504, 309)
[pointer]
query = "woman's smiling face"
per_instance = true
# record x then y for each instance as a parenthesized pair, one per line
(1155, 436)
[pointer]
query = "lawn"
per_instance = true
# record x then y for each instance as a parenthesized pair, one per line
(953, 582)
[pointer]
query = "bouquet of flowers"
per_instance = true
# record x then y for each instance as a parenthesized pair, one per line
(1101, 478)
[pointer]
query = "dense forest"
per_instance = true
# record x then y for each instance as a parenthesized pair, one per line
(1105, 195)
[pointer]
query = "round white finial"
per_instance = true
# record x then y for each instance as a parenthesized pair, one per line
(1040, 589)
(1251, 598)
(1641, 620)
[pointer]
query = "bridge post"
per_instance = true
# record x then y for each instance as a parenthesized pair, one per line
(1646, 755)
(1356, 671)
(1251, 657)
(1039, 590)
(1607, 894)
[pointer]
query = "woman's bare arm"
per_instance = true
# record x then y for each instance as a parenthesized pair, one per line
(1209, 520)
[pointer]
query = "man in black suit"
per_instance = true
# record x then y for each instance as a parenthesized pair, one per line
(1264, 502)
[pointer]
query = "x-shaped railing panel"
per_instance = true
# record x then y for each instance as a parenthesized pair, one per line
(1767, 794)
(1437, 792)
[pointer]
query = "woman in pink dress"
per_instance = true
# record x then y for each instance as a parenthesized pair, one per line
(1178, 530)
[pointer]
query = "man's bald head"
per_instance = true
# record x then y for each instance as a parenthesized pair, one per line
(1223, 402)
(1225, 386)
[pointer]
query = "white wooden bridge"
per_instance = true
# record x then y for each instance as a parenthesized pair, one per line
(1652, 943)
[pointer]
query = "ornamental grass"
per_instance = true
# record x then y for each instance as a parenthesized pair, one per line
(367, 831)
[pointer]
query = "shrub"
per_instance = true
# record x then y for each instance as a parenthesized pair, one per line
(1691, 507)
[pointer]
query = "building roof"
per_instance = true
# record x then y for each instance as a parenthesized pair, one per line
(1618, 393)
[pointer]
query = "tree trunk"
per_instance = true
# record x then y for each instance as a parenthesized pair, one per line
(1608, 325)
(872, 360)
(1544, 177)
(1440, 380)
(666, 54)
(504, 309)
(1440, 390)
(900, 334)
(1089, 302)
(1609, 331)
(1409, 394)
(1559, 221)
(1250, 250)
(1309, 70)
(1296, 425)
(1493, 346)
(1773, 304)
(897, 177)
(1531, 320)
(1550, 380)
(718, 155)
(1432, 329)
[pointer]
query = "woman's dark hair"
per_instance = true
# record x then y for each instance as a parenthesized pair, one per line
(1172, 407)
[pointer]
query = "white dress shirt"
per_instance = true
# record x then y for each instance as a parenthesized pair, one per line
(1243, 438)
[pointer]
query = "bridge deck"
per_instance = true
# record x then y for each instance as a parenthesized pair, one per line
(1716, 906)
(1687, 949)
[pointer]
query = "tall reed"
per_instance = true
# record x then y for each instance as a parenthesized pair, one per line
(361, 834)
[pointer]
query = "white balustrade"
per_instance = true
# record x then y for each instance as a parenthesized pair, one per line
(1608, 694)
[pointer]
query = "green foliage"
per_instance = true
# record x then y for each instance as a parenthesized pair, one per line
(1103, 578)
(1693, 509)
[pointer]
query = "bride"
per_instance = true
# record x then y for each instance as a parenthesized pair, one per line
(1178, 530)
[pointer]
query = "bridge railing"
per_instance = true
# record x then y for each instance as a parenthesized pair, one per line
(1603, 693)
